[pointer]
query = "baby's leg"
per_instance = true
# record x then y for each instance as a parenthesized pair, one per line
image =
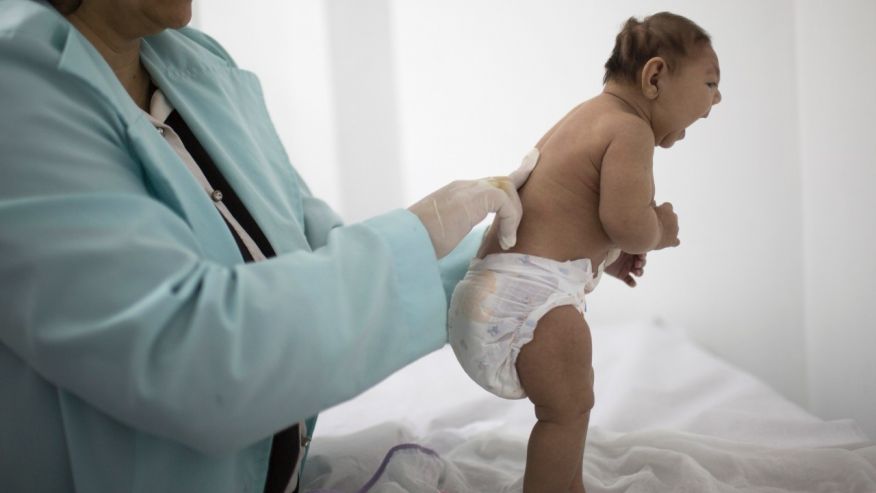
(577, 486)
(555, 371)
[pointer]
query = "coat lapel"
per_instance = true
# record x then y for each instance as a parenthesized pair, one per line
(164, 173)
(238, 136)
(224, 108)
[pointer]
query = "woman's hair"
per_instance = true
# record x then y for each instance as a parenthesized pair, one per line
(65, 6)
(664, 34)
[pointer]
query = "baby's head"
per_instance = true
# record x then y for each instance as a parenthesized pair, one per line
(669, 60)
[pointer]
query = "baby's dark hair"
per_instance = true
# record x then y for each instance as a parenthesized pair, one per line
(664, 34)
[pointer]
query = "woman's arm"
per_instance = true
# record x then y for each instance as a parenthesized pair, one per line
(109, 295)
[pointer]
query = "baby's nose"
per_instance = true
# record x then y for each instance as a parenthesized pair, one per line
(717, 98)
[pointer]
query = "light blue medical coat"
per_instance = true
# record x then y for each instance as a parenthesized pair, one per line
(139, 353)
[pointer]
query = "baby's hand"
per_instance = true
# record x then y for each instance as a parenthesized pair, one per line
(668, 226)
(626, 266)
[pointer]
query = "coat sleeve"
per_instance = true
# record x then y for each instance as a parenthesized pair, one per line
(320, 219)
(106, 293)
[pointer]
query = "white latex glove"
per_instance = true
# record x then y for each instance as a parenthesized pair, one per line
(451, 212)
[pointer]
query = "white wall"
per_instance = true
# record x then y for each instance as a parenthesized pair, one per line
(287, 45)
(400, 97)
(836, 60)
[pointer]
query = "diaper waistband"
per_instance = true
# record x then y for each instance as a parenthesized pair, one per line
(575, 271)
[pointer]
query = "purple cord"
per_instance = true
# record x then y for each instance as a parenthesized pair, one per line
(371, 482)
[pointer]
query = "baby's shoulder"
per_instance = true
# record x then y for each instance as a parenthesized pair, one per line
(625, 123)
(607, 120)
(626, 126)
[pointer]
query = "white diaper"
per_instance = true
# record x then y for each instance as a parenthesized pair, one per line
(495, 308)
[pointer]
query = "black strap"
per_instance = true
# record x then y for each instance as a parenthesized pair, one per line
(287, 444)
(229, 197)
(284, 456)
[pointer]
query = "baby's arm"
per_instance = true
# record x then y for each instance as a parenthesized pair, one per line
(626, 205)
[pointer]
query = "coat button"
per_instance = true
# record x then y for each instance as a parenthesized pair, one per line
(216, 195)
(305, 441)
(160, 131)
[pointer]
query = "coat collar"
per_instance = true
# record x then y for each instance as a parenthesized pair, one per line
(224, 108)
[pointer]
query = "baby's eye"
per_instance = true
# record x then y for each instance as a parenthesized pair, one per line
(713, 85)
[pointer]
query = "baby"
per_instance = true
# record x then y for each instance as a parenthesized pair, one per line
(517, 319)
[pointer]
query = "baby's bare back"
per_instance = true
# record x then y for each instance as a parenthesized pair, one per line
(561, 197)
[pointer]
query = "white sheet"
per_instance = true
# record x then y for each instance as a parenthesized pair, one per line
(669, 417)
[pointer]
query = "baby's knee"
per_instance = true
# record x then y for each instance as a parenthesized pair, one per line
(574, 408)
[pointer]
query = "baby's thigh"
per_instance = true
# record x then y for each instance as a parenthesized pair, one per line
(555, 368)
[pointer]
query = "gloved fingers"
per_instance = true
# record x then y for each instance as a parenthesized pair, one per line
(504, 183)
(451, 212)
(509, 212)
(521, 174)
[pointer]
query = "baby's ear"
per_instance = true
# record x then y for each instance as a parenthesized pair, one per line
(652, 72)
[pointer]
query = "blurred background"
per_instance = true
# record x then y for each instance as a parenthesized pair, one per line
(379, 102)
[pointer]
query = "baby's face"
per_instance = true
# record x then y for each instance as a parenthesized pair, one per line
(687, 95)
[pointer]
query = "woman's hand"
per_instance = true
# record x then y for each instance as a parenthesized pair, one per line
(451, 212)
(626, 266)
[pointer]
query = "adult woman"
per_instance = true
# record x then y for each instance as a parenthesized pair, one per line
(174, 302)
